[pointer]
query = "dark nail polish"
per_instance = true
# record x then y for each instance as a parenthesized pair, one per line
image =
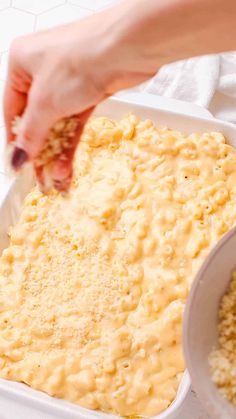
(19, 157)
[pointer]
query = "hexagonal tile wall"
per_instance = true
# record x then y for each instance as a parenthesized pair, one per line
(60, 15)
(92, 4)
(14, 23)
(36, 6)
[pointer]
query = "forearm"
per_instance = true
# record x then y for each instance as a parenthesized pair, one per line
(150, 33)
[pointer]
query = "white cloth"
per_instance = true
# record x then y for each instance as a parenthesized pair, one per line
(208, 81)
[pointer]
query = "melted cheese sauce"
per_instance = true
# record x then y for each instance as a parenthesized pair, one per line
(93, 286)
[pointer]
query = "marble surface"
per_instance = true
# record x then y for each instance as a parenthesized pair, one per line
(19, 17)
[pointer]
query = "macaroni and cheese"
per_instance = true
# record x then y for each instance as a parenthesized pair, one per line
(93, 285)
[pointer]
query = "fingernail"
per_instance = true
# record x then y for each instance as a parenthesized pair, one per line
(19, 158)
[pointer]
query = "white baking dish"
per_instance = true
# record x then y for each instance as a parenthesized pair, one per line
(18, 401)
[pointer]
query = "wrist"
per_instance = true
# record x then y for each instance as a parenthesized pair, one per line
(121, 56)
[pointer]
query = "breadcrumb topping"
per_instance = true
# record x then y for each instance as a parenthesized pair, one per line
(58, 140)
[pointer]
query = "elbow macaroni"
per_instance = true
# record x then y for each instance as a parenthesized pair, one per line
(93, 285)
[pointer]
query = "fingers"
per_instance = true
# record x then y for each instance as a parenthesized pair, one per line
(21, 98)
(63, 167)
(36, 122)
(59, 173)
(14, 105)
(16, 88)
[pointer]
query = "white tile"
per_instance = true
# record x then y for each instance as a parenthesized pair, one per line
(3, 65)
(59, 16)
(14, 23)
(93, 4)
(36, 6)
(4, 4)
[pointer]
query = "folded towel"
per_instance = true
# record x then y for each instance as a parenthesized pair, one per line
(208, 81)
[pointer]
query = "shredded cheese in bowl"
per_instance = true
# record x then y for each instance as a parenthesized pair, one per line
(93, 286)
(223, 360)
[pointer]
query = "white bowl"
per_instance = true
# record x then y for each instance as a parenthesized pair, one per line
(201, 321)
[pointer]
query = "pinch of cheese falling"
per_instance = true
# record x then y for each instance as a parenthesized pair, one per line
(93, 286)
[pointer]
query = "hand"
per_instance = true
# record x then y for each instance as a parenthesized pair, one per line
(52, 75)
(64, 72)
(68, 70)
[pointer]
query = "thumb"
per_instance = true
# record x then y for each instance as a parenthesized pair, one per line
(35, 124)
